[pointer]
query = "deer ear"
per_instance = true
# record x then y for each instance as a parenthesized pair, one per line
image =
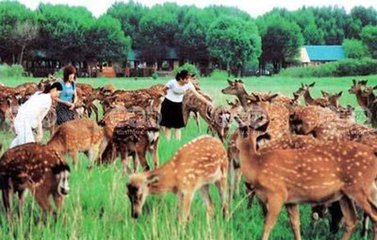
(302, 85)
(324, 94)
(312, 84)
(354, 81)
(375, 87)
(240, 81)
(341, 92)
(152, 179)
(363, 82)
(230, 82)
(272, 97)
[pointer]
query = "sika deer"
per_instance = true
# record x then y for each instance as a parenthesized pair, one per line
(345, 171)
(356, 89)
(304, 91)
(79, 135)
(37, 168)
(196, 165)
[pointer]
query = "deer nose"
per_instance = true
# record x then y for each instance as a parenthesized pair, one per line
(64, 191)
(135, 215)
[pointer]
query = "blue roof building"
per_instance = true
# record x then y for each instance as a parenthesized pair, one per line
(315, 54)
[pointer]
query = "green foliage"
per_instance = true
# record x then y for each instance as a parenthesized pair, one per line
(154, 76)
(189, 67)
(107, 40)
(369, 36)
(355, 48)
(14, 70)
(281, 40)
(347, 67)
(234, 41)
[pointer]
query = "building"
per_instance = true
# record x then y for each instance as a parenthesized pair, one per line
(318, 54)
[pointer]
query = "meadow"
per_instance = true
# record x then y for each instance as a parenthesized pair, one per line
(97, 207)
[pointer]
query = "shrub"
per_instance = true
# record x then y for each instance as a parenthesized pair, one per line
(346, 67)
(189, 67)
(14, 70)
(155, 76)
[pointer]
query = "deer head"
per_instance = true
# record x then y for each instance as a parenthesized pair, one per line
(357, 86)
(137, 191)
(235, 87)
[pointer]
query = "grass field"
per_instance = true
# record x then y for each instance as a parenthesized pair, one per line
(97, 207)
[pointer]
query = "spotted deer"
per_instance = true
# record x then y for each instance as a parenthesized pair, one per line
(344, 171)
(136, 136)
(237, 88)
(357, 89)
(195, 165)
(79, 135)
(333, 98)
(304, 91)
(371, 104)
(36, 168)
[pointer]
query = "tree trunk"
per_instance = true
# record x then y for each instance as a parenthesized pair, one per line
(22, 54)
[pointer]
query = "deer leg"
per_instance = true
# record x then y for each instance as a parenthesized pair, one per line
(204, 192)
(273, 207)
(7, 199)
(294, 217)
(143, 161)
(58, 200)
(123, 156)
(350, 218)
(222, 187)
(42, 199)
(186, 200)
(74, 156)
(336, 217)
(250, 194)
(231, 179)
(21, 202)
(154, 153)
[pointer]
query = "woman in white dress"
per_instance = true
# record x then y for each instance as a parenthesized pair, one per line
(171, 107)
(30, 115)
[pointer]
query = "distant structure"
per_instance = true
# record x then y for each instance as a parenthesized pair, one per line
(311, 55)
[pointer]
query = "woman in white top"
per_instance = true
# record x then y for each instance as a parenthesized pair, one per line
(30, 116)
(171, 107)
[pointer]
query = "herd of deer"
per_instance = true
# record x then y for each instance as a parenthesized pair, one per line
(287, 153)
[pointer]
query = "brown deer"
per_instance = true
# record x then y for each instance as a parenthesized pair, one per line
(304, 91)
(79, 135)
(135, 136)
(371, 104)
(237, 88)
(333, 98)
(36, 168)
(344, 171)
(357, 89)
(197, 164)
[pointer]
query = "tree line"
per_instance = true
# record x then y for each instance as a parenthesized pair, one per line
(226, 35)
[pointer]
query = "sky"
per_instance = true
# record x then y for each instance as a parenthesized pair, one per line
(254, 8)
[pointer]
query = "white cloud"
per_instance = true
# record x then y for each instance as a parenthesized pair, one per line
(254, 8)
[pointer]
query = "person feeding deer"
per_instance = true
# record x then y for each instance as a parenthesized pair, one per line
(171, 107)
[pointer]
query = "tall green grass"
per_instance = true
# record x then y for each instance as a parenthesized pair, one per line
(97, 207)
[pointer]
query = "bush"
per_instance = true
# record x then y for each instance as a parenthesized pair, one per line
(189, 67)
(346, 67)
(14, 70)
(155, 76)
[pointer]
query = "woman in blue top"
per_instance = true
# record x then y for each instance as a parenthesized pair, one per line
(65, 109)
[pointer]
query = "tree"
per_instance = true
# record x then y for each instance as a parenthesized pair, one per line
(63, 31)
(129, 15)
(107, 40)
(369, 36)
(15, 21)
(281, 41)
(191, 38)
(158, 29)
(234, 42)
(24, 34)
(354, 48)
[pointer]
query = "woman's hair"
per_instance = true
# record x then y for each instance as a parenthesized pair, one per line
(50, 86)
(68, 70)
(181, 75)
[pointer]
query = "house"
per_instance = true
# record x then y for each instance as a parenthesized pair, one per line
(317, 54)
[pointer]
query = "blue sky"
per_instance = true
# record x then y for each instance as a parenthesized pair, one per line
(254, 8)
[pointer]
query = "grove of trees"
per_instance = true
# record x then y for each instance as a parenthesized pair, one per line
(228, 36)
